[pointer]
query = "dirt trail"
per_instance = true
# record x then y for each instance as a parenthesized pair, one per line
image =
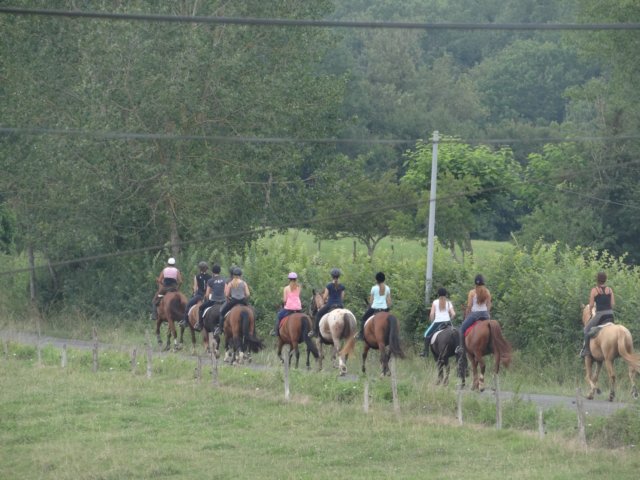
(592, 407)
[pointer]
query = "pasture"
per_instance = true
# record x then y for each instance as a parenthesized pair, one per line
(73, 423)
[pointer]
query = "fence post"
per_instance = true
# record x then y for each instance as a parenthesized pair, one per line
(459, 402)
(366, 394)
(149, 354)
(134, 360)
(498, 403)
(213, 346)
(582, 437)
(5, 346)
(540, 424)
(95, 349)
(394, 385)
(287, 393)
(63, 360)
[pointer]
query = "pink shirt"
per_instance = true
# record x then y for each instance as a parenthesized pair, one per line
(170, 272)
(293, 300)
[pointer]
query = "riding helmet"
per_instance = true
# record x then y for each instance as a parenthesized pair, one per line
(335, 272)
(479, 280)
(203, 265)
(292, 276)
(171, 261)
(237, 271)
(380, 277)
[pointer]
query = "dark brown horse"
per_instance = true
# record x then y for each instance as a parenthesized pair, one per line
(443, 347)
(170, 310)
(482, 338)
(239, 333)
(210, 321)
(193, 320)
(294, 329)
(382, 332)
(611, 341)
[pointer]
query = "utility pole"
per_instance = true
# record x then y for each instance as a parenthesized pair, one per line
(432, 218)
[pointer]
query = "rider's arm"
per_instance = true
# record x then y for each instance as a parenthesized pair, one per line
(284, 295)
(227, 290)
(325, 295)
(467, 309)
(452, 312)
(432, 312)
(246, 290)
(613, 300)
(342, 296)
(592, 298)
(195, 285)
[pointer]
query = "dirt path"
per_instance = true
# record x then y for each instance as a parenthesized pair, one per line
(592, 407)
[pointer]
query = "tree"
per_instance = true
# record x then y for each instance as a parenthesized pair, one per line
(359, 205)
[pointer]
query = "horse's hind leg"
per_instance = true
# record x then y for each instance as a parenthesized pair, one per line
(364, 358)
(481, 377)
(612, 379)
(632, 379)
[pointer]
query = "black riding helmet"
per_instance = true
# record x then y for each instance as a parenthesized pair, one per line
(335, 272)
(479, 280)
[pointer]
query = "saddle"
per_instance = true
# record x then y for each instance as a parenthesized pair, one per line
(593, 333)
(468, 330)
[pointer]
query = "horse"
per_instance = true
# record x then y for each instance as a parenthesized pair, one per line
(382, 332)
(609, 342)
(239, 332)
(170, 310)
(194, 311)
(338, 325)
(210, 321)
(443, 346)
(294, 329)
(482, 338)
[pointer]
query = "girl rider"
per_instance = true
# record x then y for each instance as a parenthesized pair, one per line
(237, 293)
(290, 302)
(379, 301)
(169, 280)
(199, 287)
(602, 297)
(333, 296)
(478, 308)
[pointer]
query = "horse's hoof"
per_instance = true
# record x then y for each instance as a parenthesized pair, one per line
(598, 391)
(590, 397)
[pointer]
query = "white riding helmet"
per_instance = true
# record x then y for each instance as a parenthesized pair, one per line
(171, 261)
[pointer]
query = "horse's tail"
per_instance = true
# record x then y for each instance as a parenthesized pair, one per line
(625, 348)
(311, 345)
(177, 307)
(394, 337)
(349, 331)
(500, 347)
(253, 342)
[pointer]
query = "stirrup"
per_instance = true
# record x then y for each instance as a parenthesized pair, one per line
(459, 350)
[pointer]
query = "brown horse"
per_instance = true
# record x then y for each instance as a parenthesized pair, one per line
(482, 338)
(239, 332)
(294, 329)
(170, 310)
(337, 326)
(610, 342)
(210, 321)
(382, 332)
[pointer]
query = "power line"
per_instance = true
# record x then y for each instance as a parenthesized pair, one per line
(319, 23)
(295, 140)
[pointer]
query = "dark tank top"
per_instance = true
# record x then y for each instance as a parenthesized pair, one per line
(602, 300)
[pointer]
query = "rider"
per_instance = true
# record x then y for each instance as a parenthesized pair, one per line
(333, 297)
(199, 285)
(478, 308)
(290, 301)
(213, 295)
(441, 315)
(169, 280)
(602, 297)
(379, 301)
(236, 293)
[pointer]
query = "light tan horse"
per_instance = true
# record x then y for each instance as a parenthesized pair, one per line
(612, 341)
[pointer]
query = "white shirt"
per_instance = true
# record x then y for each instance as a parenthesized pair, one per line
(441, 315)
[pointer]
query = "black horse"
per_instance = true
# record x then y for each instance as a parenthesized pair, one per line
(443, 348)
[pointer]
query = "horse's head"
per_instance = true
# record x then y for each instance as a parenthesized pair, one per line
(316, 302)
(587, 313)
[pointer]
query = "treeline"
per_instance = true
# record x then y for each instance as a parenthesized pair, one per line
(160, 155)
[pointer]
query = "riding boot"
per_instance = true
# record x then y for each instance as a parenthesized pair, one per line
(425, 352)
(219, 328)
(460, 348)
(585, 350)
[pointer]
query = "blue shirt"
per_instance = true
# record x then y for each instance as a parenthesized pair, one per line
(335, 294)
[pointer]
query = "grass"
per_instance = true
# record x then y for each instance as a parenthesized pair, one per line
(71, 423)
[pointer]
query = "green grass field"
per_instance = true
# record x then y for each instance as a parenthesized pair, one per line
(71, 423)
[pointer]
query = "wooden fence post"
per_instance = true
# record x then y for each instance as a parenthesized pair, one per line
(5, 346)
(95, 349)
(394, 385)
(366, 394)
(63, 359)
(134, 360)
(582, 437)
(149, 354)
(199, 368)
(213, 346)
(540, 424)
(287, 393)
(498, 403)
(459, 402)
